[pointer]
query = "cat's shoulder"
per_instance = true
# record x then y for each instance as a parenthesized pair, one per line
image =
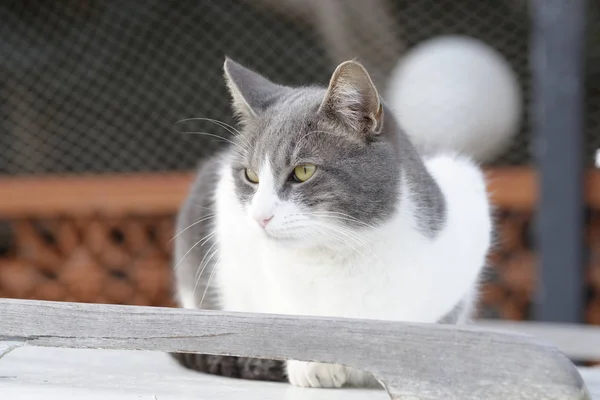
(456, 171)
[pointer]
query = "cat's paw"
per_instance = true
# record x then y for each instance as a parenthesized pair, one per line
(316, 375)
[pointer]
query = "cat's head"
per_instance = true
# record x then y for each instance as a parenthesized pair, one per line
(313, 165)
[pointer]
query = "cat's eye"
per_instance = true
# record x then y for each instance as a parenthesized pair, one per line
(304, 172)
(251, 176)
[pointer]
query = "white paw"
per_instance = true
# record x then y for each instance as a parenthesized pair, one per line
(316, 375)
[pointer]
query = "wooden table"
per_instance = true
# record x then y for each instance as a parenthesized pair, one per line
(56, 356)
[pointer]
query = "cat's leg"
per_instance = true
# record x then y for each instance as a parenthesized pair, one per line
(316, 375)
(319, 375)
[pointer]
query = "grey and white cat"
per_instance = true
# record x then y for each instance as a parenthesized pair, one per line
(322, 206)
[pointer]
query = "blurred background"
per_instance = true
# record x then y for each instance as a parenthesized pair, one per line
(93, 167)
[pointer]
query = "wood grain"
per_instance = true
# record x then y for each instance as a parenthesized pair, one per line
(413, 361)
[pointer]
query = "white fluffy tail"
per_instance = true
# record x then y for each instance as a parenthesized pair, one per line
(456, 93)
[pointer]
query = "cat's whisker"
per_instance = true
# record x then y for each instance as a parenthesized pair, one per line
(210, 216)
(354, 238)
(310, 213)
(203, 265)
(237, 145)
(328, 231)
(232, 130)
(200, 242)
(341, 214)
(360, 238)
(223, 124)
(351, 237)
(335, 218)
(202, 207)
(209, 282)
(204, 260)
(339, 230)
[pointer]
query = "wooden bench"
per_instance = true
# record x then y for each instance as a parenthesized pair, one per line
(412, 361)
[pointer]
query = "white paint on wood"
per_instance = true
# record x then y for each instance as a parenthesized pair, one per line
(592, 380)
(35, 373)
(8, 346)
(578, 341)
(427, 362)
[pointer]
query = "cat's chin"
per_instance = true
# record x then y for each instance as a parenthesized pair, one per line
(288, 241)
(282, 239)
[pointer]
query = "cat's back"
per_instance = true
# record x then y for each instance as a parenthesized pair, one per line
(460, 180)
(467, 230)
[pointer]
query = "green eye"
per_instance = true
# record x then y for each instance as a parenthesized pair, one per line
(251, 176)
(302, 173)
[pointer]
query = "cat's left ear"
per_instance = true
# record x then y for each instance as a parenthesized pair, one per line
(251, 92)
(353, 99)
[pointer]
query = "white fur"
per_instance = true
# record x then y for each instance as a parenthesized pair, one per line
(454, 92)
(393, 272)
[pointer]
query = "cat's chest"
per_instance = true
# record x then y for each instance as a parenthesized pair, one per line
(260, 277)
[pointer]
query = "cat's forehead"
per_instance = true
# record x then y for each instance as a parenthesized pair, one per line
(285, 131)
(292, 112)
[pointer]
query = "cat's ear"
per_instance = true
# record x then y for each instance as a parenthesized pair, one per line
(251, 92)
(353, 99)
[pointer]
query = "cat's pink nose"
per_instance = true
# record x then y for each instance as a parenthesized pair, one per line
(264, 221)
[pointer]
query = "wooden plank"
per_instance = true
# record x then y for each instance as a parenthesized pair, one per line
(577, 341)
(162, 193)
(115, 194)
(512, 188)
(411, 360)
(517, 187)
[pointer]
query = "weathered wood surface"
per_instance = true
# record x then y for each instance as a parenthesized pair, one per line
(424, 362)
(592, 380)
(6, 346)
(37, 373)
(156, 193)
(577, 341)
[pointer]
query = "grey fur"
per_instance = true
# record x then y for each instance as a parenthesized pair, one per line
(362, 157)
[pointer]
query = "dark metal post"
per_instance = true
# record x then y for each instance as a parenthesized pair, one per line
(558, 49)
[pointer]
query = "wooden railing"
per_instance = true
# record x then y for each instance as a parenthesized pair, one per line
(119, 194)
(412, 361)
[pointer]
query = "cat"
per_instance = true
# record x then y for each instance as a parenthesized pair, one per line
(322, 206)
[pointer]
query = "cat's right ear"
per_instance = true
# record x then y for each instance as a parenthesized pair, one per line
(352, 99)
(251, 92)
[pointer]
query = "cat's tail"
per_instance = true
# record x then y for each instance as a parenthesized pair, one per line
(455, 93)
(234, 367)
